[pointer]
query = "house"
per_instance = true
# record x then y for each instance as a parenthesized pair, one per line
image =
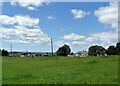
(81, 54)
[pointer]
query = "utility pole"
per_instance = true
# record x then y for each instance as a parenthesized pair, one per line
(11, 48)
(52, 46)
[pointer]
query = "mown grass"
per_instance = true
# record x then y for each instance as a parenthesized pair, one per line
(60, 70)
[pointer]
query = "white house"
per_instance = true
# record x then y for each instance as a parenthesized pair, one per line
(81, 54)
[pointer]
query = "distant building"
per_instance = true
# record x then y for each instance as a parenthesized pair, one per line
(81, 54)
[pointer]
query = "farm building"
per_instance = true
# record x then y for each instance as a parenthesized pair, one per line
(81, 54)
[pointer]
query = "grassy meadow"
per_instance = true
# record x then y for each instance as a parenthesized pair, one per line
(60, 70)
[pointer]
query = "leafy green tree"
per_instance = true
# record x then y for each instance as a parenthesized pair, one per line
(63, 51)
(0, 52)
(96, 50)
(5, 53)
(118, 48)
(111, 50)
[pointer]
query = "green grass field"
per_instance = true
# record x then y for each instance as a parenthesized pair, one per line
(60, 70)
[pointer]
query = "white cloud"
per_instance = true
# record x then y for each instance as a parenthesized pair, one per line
(34, 34)
(108, 15)
(111, 36)
(60, 43)
(16, 41)
(18, 19)
(5, 33)
(4, 19)
(104, 39)
(72, 36)
(22, 34)
(79, 13)
(31, 8)
(78, 42)
(51, 17)
(29, 4)
(26, 20)
(24, 29)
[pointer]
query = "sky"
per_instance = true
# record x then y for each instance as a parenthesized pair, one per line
(30, 25)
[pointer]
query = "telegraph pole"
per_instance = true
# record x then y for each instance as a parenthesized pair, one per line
(52, 46)
(11, 48)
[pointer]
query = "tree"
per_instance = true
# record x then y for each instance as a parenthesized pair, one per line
(118, 48)
(111, 50)
(0, 52)
(63, 51)
(5, 53)
(96, 50)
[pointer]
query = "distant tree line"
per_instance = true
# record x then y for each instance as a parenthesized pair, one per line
(92, 51)
(99, 50)
(3, 52)
(114, 50)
